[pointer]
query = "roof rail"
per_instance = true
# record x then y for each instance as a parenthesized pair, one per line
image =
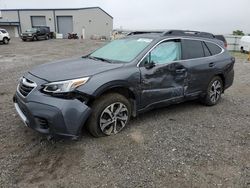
(142, 32)
(188, 33)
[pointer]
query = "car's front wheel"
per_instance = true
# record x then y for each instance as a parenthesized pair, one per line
(214, 91)
(5, 40)
(35, 38)
(110, 114)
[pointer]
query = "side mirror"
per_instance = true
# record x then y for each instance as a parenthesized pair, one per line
(149, 65)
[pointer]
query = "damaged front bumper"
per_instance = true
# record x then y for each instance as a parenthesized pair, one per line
(51, 115)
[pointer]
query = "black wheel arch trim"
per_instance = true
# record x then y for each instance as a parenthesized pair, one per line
(112, 85)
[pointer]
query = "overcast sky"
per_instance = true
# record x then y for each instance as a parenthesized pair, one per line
(218, 16)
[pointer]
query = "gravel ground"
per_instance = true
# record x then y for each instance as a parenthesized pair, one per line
(184, 145)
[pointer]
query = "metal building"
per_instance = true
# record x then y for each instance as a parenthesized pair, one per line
(86, 22)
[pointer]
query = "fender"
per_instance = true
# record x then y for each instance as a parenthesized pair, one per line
(115, 84)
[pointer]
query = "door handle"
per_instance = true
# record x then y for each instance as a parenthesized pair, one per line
(179, 71)
(211, 64)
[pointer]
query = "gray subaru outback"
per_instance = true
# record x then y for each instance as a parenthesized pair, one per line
(122, 79)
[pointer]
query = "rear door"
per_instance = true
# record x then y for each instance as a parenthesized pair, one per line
(200, 63)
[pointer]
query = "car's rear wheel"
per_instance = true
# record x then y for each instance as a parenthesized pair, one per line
(242, 49)
(214, 91)
(110, 114)
(5, 40)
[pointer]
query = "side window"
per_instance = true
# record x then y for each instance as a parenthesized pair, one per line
(3, 31)
(166, 52)
(192, 49)
(206, 50)
(213, 48)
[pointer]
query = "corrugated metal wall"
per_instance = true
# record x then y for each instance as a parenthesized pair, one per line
(233, 42)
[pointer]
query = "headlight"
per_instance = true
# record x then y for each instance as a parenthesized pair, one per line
(30, 34)
(64, 86)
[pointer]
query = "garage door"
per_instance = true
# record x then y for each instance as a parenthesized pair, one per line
(38, 21)
(12, 30)
(65, 25)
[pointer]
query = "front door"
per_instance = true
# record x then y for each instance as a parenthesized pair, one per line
(163, 74)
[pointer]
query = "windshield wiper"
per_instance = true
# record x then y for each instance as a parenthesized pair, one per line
(99, 58)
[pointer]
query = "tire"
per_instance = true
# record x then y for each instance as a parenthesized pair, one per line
(5, 40)
(106, 118)
(242, 50)
(214, 91)
(35, 38)
(47, 37)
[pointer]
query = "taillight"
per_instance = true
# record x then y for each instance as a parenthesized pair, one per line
(225, 44)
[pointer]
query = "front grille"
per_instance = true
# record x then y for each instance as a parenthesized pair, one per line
(26, 86)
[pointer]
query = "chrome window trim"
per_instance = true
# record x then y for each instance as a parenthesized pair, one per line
(202, 40)
(34, 85)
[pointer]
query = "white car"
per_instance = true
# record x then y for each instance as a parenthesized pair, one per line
(4, 36)
(245, 44)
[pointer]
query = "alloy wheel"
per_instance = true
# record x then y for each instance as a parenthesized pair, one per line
(113, 118)
(5, 41)
(215, 91)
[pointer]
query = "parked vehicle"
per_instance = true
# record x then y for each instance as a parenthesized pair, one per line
(72, 36)
(122, 79)
(245, 44)
(4, 36)
(36, 33)
(222, 38)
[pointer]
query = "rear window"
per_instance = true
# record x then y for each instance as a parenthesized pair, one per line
(192, 49)
(220, 37)
(213, 48)
(206, 50)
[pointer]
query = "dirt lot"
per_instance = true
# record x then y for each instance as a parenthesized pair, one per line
(185, 145)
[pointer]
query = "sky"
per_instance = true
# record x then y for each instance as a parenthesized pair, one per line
(217, 16)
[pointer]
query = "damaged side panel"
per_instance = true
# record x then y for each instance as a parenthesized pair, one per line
(163, 83)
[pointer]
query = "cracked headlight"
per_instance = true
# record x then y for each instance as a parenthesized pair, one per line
(64, 86)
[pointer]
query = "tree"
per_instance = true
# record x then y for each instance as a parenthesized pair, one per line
(238, 32)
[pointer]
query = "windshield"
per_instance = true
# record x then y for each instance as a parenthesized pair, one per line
(124, 50)
(31, 30)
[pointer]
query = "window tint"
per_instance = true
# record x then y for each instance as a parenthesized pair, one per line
(192, 49)
(166, 52)
(206, 50)
(213, 48)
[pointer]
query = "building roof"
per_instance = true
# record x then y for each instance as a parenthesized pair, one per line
(44, 9)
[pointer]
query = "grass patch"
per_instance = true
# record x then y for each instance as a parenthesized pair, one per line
(239, 55)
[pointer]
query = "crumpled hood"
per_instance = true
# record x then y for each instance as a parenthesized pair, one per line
(71, 69)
